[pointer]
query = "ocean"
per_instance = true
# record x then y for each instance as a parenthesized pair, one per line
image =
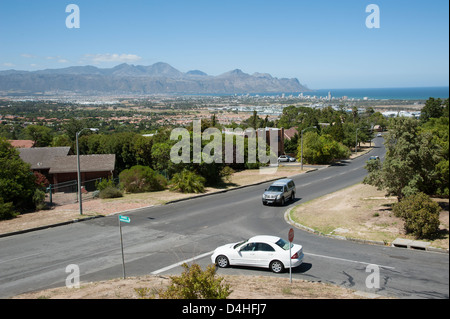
(418, 93)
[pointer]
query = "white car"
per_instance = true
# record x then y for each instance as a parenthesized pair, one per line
(259, 251)
(286, 158)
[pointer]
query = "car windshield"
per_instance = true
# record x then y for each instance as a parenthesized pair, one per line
(275, 188)
(283, 244)
(239, 244)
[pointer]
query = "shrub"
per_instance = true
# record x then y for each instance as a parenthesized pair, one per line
(41, 180)
(420, 213)
(6, 210)
(226, 173)
(139, 179)
(39, 199)
(104, 183)
(194, 283)
(188, 182)
(110, 192)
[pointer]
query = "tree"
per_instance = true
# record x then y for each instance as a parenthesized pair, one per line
(336, 130)
(61, 140)
(439, 130)
(41, 135)
(161, 156)
(17, 182)
(72, 127)
(142, 146)
(289, 117)
(433, 108)
(410, 162)
(420, 213)
(321, 149)
(120, 144)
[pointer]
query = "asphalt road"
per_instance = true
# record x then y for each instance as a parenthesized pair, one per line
(160, 238)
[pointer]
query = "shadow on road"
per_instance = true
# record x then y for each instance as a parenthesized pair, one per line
(304, 267)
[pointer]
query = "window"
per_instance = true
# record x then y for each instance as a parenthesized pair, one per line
(239, 244)
(283, 244)
(264, 247)
(249, 247)
(275, 188)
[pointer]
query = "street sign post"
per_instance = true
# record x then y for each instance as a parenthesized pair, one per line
(291, 235)
(291, 239)
(123, 219)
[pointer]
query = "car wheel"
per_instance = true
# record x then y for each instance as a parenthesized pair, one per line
(292, 196)
(222, 261)
(282, 201)
(276, 266)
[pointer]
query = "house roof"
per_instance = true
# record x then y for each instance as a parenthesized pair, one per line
(22, 143)
(290, 133)
(88, 163)
(42, 157)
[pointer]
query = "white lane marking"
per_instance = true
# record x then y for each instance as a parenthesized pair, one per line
(348, 260)
(181, 262)
(156, 272)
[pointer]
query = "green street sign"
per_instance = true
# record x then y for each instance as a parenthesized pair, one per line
(124, 219)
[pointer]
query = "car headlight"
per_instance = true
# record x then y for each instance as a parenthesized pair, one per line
(264, 196)
(278, 196)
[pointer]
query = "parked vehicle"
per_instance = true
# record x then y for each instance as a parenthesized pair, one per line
(286, 158)
(279, 192)
(259, 251)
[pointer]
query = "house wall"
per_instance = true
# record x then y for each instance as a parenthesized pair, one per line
(87, 180)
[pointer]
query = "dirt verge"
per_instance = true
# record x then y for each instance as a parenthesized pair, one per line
(362, 212)
(244, 287)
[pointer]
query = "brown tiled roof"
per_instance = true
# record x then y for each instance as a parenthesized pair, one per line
(88, 163)
(290, 133)
(42, 157)
(22, 143)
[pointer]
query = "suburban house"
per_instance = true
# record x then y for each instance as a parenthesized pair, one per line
(59, 164)
(64, 168)
(41, 158)
(250, 133)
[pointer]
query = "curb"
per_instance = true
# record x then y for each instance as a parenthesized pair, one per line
(223, 191)
(131, 210)
(288, 219)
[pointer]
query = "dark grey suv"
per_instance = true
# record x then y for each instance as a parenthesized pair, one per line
(279, 192)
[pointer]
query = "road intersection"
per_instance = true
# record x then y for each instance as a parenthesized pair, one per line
(160, 238)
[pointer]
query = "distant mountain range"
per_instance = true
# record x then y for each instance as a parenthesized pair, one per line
(157, 78)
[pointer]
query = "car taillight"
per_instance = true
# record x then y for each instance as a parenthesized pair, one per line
(294, 256)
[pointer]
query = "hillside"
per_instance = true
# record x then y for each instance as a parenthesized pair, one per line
(153, 79)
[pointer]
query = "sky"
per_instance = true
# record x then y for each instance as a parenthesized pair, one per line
(324, 44)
